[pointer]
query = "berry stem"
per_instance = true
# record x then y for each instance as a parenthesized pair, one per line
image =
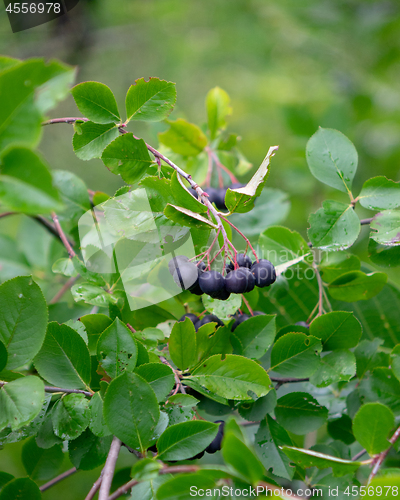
(222, 166)
(242, 235)
(247, 305)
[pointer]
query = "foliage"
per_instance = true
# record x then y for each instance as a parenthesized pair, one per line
(110, 360)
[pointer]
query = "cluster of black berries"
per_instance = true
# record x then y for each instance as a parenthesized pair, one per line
(217, 195)
(193, 276)
(211, 318)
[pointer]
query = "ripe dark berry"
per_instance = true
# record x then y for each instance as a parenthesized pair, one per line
(221, 295)
(211, 282)
(239, 319)
(258, 313)
(264, 273)
(210, 318)
(201, 266)
(251, 282)
(186, 275)
(238, 281)
(193, 318)
(198, 456)
(174, 262)
(213, 194)
(220, 199)
(242, 261)
(215, 445)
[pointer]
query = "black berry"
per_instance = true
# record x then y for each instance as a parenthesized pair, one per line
(193, 318)
(215, 445)
(223, 294)
(238, 281)
(264, 273)
(210, 318)
(211, 282)
(186, 275)
(239, 319)
(175, 261)
(242, 261)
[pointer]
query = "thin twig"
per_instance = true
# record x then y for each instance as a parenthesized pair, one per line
(63, 238)
(64, 289)
(108, 471)
(289, 380)
(320, 291)
(177, 379)
(378, 460)
(131, 328)
(68, 119)
(242, 235)
(365, 222)
(96, 485)
(166, 470)
(247, 305)
(358, 455)
(220, 165)
(50, 389)
(57, 479)
(6, 214)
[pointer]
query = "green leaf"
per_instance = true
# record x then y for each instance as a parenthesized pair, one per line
(116, 349)
(256, 410)
(296, 355)
(3, 356)
(5, 478)
(20, 401)
(341, 429)
(280, 245)
(269, 440)
(381, 386)
(337, 366)
(334, 264)
(182, 196)
(185, 217)
(335, 226)
(179, 487)
(73, 193)
(223, 309)
(97, 424)
(241, 200)
(380, 193)
(70, 416)
(145, 469)
(385, 228)
(395, 357)
(93, 138)
(272, 207)
(30, 87)
(23, 320)
(45, 436)
(88, 451)
(310, 458)
(356, 285)
(254, 337)
(64, 266)
(300, 413)
(218, 108)
(211, 342)
(368, 357)
(182, 344)
(150, 101)
(241, 459)
(332, 158)
(20, 488)
(26, 184)
(233, 377)
(185, 440)
(64, 358)
(41, 464)
(371, 427)
(337, 330)
(92, 294)
(95, 324)
(183, 138)
(383, 255)
(96, 102)
(159, 376)
(131, 410)
(127, 157)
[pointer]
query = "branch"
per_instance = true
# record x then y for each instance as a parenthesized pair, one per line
(108, 471)
(281, 381)
(50, 389)
(38, 218)
(358, 455)
(95, 487)
(177, 379)
(62, 236)
(57, 479)
(365, 222)
(166, 470)
(69, 120)
(64, 289)
(378, 460)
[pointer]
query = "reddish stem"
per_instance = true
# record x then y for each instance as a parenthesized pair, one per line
(242, 235)
(225, 169)
(248, 305)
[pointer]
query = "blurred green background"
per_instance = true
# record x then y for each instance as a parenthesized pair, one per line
(288, 66)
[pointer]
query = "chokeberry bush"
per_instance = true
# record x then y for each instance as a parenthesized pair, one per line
(171, 320)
